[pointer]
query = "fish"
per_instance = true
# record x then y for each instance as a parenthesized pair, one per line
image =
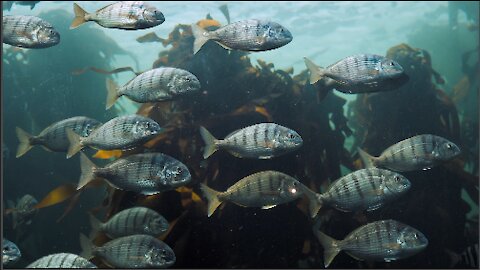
(467, 259)
(61, 260)
(420, 152)
(362, 73)
(262, 141)
(135, 220)
(384, 240)
(134, 251)
(126, 15)
(10, 252)
(54, 137)
(151, 37)
(365, 189)
(154, 85)
(264, 189)
(147, 173)
(120, 133)
(23, 212)
(7, 5)
(28, 32)
(247, 35)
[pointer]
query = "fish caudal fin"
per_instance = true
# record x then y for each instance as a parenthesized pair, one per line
(86, 246)
(96, 226)
(315, 203)
(87, 173)
(112, 93)
(212, 197)
(330, 247)
(210, 143)
(316, 73)
(75, 142)
(24, 138)
(367, 159)
(201, 37)
(79, 16)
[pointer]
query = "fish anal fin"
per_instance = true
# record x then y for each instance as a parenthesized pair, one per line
(268, 206)
(223, 45)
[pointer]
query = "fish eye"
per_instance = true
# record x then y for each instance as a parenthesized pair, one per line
(449, 145)
(291, 135)
(7, 248)
(179, 170)
(392, 64)
(397, 178)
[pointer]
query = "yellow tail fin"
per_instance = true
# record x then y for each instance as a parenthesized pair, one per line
(24, 138)
(330, 247)
(79, 16)
(75, 142)
(210, 143)
(112, 93)
(316, 73)
(201, 37)
(212, 197)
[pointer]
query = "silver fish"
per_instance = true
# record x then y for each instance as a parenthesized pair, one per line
(134, 251)
(361, 73)
(28, 32)
(247, 35)
(467, 259)
(420, 152)
(127, 15)
(264, 189)
(54, 137)
(123, 132)
(366, 189)
(384, 240)
(24, 211)
(262, 141)
(154, 85)
(7, 5)
(135, 220)
(148, 173)
(61, 260)
(10, 252)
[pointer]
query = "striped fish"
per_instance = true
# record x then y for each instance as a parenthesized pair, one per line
(120, 133)
(384, 240)
(135, 220)
(54, 137)
(127, 15)
(134, 251)
(360, 74)
(154, 85)
(264, 189)
(10, 252)
(247, 35)
(24, 211)
(61, 260)
(467, 259)
(420, 152)
(262, 141)
(28, 32)
(148, 173)
(366, 189)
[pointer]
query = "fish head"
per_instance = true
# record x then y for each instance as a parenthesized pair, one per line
(445, 150)
(397, 183)
(176, 174)
(10, 252)
(147, 127)
(411, 241)
(156, 226)
(289, 139)
(47, 36)
(184, 83)
(153, 16)
(390, 68)
(160, 256)
(277, 35)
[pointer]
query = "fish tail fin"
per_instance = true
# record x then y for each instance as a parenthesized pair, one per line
(87, 247)
(25, 139)
(96, 226)
(314, 201)
(330, 247)
(79, 16)
(75, 142)
(200, 37)
(368, 160)
(87, 167)
(212, 197)
(210, 142)
(112, 93)
(316, 72)
(454, 257)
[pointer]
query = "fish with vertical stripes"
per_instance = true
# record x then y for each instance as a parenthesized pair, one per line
(28, 32)
(467, 259)
(361, 73)
(54, 137)
(127, 15)
(384, 240)
(23, 212)
(264, 189)
(247, 35)
(135, 220)
(154, 85)
(147, 173)
(134, 251)
(262, 141)
(120, 133)
(10, 252)
(61, 260)
(420, 152)
(366, 189)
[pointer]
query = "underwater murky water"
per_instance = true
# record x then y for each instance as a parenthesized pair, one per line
(175, 97)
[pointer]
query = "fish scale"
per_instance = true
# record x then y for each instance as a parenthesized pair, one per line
(25, 31)
(61, 260)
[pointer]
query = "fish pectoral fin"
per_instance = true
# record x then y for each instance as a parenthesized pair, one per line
(270, 193)
(392, 246)
(377, 192)
(260, 40)
(374, 207)
(223, 46)
(268, 206)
